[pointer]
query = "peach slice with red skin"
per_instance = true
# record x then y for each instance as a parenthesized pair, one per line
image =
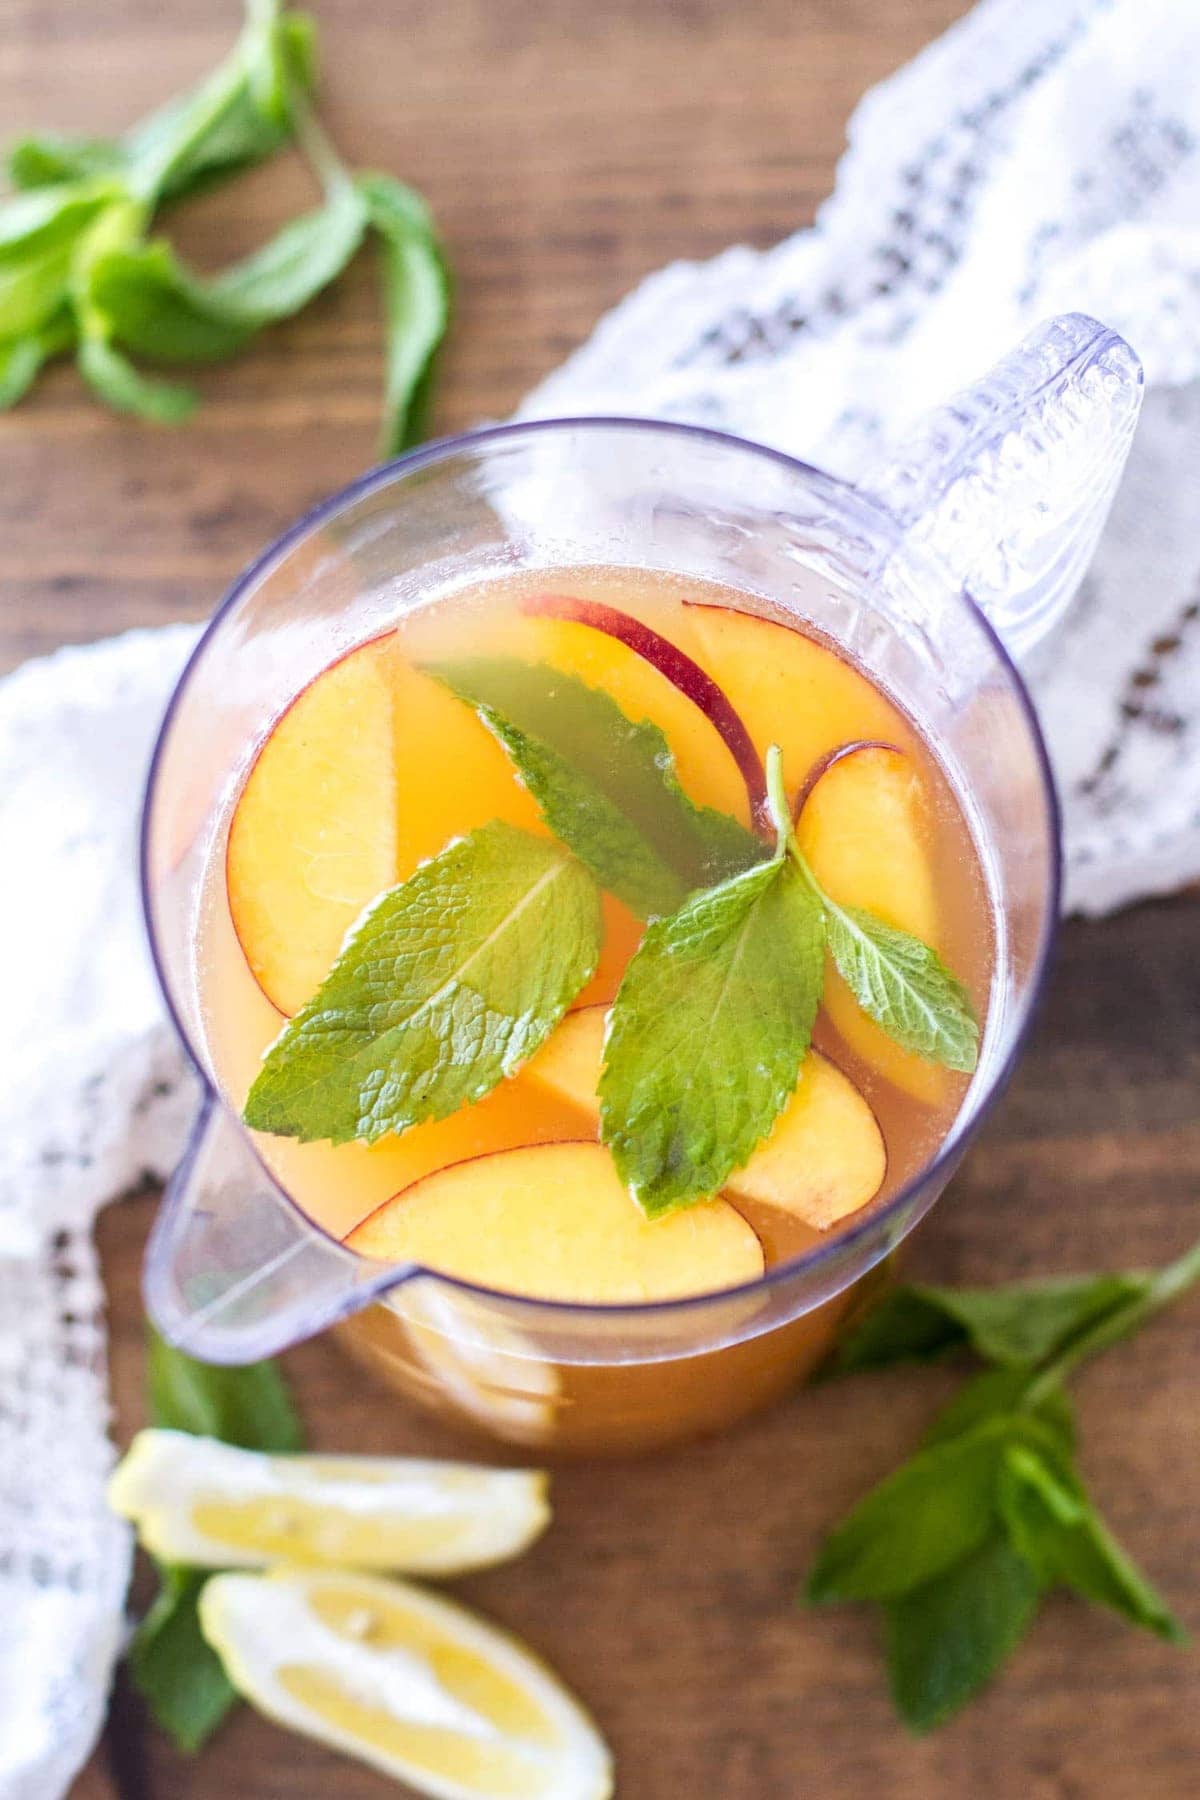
(344, 798)
(864, 829)
(791, 689)
(554, 1221)
(681, 670)
(823, 1159)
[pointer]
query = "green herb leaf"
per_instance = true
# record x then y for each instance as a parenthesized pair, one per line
(607, 787)
(737, 970)
(73, 236)
(947, 1638)
(20, 362)
(417, 295)
(177, 1672)
(40, 234)
(48, 158)
(1055, 1526)
(113, 379)
(999, 1391)
(1020, 1323)
(447, 984)
(250, 1406)
(935, 1509)
(220, 127)
(238, 113)
(300, 260)
(904, 986)
(235, 133)
(157, 307)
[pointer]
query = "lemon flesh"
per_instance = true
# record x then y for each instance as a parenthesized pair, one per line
(416, 1686)
(195, 1500)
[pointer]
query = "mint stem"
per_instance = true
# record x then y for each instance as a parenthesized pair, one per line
(1166, 1287)
(317, 146)
(778, 808)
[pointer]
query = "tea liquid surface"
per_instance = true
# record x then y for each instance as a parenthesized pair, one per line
(391, 766)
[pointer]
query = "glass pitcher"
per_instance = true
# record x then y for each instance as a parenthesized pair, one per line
(931, 573)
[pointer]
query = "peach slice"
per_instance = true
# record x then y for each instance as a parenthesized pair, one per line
(450, 773)
(348, 1181)
(790, 689)
(705, 766)
(684, 674)
(344, 799)
(376, 766)
(313, 836)
(864, 828)
(553, 1221)
(824, 1158)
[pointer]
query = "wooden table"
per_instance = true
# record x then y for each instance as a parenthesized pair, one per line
(569, 148)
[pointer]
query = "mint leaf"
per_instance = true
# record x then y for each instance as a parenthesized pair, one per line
(416, 288)
(1020, 1323)
(20, 363)
(48, 158)
(178, 1674)
(250, 1406)
(935, 1509)
(1054, 1525)
(113, 379)
(948, 1637)
(154, 305)
(607, 787)
(999, 1391)
(446, 985)
(904, 986)
(707, 1033)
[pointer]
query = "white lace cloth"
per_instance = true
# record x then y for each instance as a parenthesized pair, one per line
(1038, 158)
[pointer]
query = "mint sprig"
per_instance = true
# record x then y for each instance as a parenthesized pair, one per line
(715, 1012)
(606, 785)
(446, 985)
(78, 271)
(961, 1543)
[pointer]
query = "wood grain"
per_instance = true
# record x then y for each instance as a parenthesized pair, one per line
(569, 149)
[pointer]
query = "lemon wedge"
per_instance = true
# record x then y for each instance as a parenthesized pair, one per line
(195, 1500)
(418, 1687)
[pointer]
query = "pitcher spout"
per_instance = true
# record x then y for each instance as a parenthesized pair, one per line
(234, 1271)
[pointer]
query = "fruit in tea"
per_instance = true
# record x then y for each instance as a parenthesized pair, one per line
(681, 670)
(313, 837)
(554, 1221)
(344, 798)
(863, 825)
(790, 689)
(825, 1155)
(381, 763)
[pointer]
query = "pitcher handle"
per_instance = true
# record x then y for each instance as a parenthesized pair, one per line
(234, 1271)
(1008, 484)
